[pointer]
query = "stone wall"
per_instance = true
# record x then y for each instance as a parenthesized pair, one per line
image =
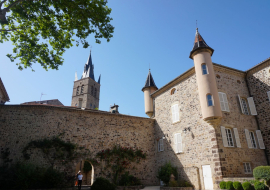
(259, 84)
(94, 130)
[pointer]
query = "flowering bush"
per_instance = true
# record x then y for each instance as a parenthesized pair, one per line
(118, 159)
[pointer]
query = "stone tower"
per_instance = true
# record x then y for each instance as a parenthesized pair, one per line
(206, 80)
(148, 89)
(86, 91)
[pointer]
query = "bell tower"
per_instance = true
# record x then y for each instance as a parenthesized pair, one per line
(206, 81)
(86, 91)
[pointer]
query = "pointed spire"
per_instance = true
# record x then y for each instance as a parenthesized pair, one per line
(76, 77)
(149, 81)
(99, 79)
(89, 68)
(199, 43)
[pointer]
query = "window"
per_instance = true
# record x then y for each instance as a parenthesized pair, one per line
(175, 113)
(229, 137)
(80, 103)
(247, 105)
(209, 100)
(260, 139)
(247, 168)
(268, 94)
(204, 69)
(173, 91)
(252, 138)
(92, 90)
(95, 95)
(223, 102)
(178, 143)
(90, 105)
(82, 89)
(78, 90)
(160, 145)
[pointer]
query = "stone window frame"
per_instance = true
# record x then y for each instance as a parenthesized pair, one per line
(230, 139)
(234, 136)
(247, 168)
(173, 104)
(204, 70)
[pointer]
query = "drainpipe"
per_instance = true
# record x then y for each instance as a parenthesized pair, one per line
(257, 121)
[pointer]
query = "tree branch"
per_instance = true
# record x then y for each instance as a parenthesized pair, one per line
(12, 5)
(1, 3)
(10, 30)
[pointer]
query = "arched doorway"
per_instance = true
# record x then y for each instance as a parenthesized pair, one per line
(87, 170)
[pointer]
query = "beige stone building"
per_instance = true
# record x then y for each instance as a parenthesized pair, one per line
(3, 93)
(211, 122)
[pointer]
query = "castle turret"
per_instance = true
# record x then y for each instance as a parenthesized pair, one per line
(148, 89)
(206, 81)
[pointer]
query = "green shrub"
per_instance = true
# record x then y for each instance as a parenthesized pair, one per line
(165, 172)
(222, 185)
(259, 185)
(182, 183)
(229, 185)
(173, 184)
(102, 184)
(247, 186)
(262, 172)
(129, 180)
(237, 185)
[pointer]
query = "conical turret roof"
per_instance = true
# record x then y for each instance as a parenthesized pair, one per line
(149, 81)
(89, 68)
(199, 43)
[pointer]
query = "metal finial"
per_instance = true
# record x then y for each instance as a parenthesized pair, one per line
(149, 67)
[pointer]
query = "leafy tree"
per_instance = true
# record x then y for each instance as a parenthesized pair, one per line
(41, 30)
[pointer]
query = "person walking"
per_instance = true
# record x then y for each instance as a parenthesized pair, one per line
(80, 176)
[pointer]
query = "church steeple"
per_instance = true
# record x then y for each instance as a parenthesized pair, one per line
(199, 43)
(89, 69)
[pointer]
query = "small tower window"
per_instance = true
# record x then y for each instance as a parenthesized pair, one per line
(204, 69)
(92, 90)
(82, 89)
(209, 100)
(95, 93)
(173, 91)
(78, 90)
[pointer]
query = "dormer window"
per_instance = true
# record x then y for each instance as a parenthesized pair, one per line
(82, 89)
(204, 69)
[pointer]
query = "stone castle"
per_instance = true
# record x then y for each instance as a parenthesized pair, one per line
(211, 122)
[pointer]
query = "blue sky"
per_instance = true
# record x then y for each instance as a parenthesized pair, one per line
(158, 32)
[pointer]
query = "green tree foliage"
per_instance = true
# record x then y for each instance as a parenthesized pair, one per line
(41, 30)
(262, 172)
(229, 185)
(247, 186)
(102, 184)
(237, 185)
(222, 185)
(165, 172)
(119, 159)
(260, 185)
(129, 180)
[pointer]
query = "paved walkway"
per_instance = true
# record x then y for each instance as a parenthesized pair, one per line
(152, 188)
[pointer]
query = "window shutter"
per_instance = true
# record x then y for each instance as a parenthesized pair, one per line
(161, 146)
(268, 94)
(252, 106)
(224, 137)
(173, 113)
(248, 138)
(226, 104)
(176, 111)
(179, 143)
(240, 102)
(260, 139)
(222, 103)
(175, 143)
(237, 139)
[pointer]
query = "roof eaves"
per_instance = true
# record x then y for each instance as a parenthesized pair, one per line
(264, 61)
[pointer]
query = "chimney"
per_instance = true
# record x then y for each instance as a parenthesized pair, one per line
(114, 109)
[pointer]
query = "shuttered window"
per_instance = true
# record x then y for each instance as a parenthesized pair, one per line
(260, 139)
(178, 143)
(248, 138)
(223, 102)
(175, 113)
(237, 139)
(160, 145)
(268, 94)
(252, 138)
(227, 137)
(247, 168)
(247, 105)
(252, 107)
